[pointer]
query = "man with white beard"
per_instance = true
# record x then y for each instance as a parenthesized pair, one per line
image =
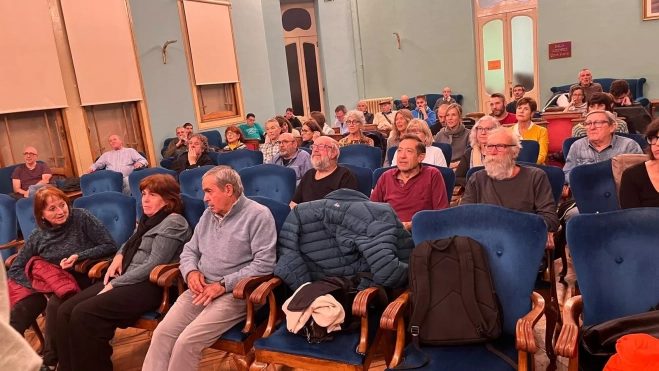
(326, 176)
(504, 183)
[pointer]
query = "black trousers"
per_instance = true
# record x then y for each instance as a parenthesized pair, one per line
(25, 313)
(86, 323)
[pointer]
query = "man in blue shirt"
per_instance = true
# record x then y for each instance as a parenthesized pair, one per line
(290, 156)
(424, 112)
(252, 130)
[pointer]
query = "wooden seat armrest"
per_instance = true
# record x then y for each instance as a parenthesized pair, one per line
(159, 270)
(567, 192)
(261, 293)
(10, 260)
(167, 278)
(362, 300)
(524, 331)
(394, 311)
(97, 270)
(13, 243)
(246, 286)
(567, 343)
(83, 266)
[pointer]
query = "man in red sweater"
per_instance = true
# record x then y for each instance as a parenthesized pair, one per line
(498, 108)
(411, 187)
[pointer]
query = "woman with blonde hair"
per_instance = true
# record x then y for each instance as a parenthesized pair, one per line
(454, 133)
(399, 129)
(475, 155)
(434, 155)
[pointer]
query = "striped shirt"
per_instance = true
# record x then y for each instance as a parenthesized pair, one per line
(269, 150)
(120, 160)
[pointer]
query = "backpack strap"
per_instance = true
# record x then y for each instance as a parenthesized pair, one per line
(509, 361)
(467, 279)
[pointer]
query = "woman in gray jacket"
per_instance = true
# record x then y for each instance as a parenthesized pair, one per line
(87, 322)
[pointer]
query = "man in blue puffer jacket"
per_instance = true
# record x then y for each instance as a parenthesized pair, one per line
(341, 235)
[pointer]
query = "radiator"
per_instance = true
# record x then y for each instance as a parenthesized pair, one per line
(374, 103)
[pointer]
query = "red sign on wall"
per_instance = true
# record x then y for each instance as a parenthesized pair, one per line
(560, 50)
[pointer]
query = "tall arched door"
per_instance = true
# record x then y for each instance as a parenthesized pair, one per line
(302, 58)
(506, 39)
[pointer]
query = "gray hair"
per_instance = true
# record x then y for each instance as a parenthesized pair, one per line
(473, 133)
(224, 175)
(204, 141)
(515, 139)
(358, 114)
(610, 117)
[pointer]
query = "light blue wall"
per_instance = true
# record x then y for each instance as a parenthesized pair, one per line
(274, 37)
(437, 48)
(337, 54)
(612, 41)
(167, 86)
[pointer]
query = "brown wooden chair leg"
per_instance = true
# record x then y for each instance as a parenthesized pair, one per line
(258, 366)
(37, 332)
(243, 363)
(552, 315)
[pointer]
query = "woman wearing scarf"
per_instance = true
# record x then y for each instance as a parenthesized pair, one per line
(87, 322)
(454, 133)
(475, 155)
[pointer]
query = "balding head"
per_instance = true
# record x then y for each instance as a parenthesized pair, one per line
(325, 154)
(287, 146)
(30, 154)
(404, 99)
(115, 142)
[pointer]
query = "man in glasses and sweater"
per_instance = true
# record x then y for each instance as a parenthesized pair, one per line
(506, 184)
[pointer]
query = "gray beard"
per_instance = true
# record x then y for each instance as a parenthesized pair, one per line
(323, 164)
(499, 169)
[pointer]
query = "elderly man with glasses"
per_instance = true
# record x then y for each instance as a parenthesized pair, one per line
(326, 176)
(291, 156)
(506, 184)
(31, 175)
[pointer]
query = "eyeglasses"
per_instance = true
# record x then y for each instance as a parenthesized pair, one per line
(351, 122)
(483, 130)
(499, 147)
(286, 141)
(652, 140)
(29, 154)
(597, 123)
(320, 147)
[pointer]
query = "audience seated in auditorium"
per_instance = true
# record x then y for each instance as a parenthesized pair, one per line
(120, 159)
(586, 82)
(475, 155)
(441, 120)
(271, 144)
(320, 119)
(340, 113)
(600, 102)
(63, 236)
(600, 143)
(290, 116)
(251, 129)
(424, 112)
(290, 156)
(30, 176)
(310, 131)
(401, 120)
(368, 116)
(326, 175)
(286, 126)
(197, 154)
(518, 93)
(454, 133)
(498, 108)
(503, 183)
(526, 129)
(179, 145)
(577, 98)
(622, 94)
(207, 309)
(355, 122)
(87, 321)
(433, 155)
(445, 99)
(235, 138)
(189, 129)
(411, 187)
(405, 103)
(385, 118)
(639, 186)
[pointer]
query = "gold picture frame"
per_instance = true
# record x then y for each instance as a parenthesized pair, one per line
(650, 9)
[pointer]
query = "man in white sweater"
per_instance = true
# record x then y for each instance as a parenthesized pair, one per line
(235, 239)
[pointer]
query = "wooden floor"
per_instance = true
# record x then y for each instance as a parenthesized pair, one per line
(131, 345)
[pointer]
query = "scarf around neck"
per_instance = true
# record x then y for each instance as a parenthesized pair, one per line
(146, 223)
(476, 157)
(457, 132)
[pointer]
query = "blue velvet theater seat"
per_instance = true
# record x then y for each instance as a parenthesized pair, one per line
(240, 159)
(268, 180)
(361, 155)
(364, 178)
(193, 209)
(190, 181)
(101, 181)
(529, 152)
(25, 216)
(8, 225)
(594, 188)
(115, 210)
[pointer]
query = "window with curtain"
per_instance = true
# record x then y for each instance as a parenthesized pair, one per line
(114, 119)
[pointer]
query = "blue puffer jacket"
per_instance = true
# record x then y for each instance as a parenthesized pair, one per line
(341, 235)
